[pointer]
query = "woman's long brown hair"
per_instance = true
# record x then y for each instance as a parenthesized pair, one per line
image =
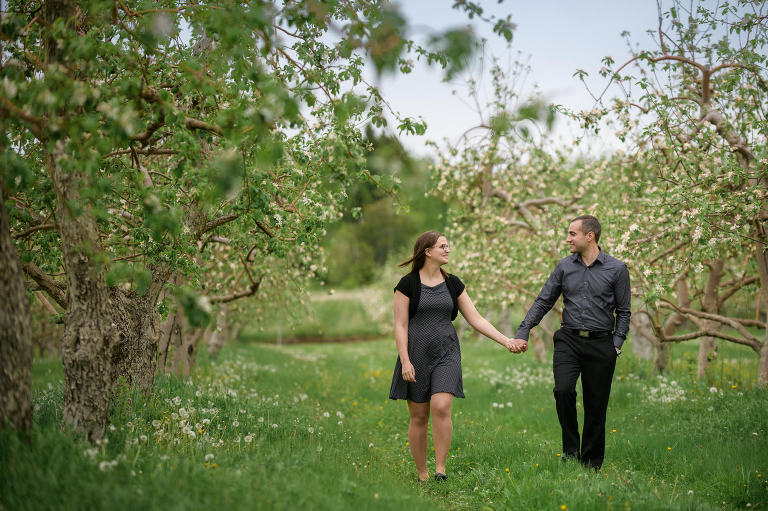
(425, 241)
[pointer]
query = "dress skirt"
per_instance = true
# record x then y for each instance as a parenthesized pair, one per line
(433, 348)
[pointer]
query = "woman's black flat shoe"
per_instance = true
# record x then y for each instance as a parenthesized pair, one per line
(440, 477)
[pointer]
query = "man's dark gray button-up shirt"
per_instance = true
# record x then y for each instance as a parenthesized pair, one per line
(591, 296)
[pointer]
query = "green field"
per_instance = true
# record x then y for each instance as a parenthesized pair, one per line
(310, 427)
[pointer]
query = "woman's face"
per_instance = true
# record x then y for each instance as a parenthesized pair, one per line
(439, 251)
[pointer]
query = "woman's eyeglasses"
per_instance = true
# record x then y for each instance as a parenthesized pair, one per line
(445, 246)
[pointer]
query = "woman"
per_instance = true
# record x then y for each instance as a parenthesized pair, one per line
(428, 369)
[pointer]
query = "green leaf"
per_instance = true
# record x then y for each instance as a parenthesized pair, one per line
(197, 308)
(134, 273)
(456, 46)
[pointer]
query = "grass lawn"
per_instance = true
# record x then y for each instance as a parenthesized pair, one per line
(310, 427)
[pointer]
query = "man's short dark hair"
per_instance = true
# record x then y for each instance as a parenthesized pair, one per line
(589, 224)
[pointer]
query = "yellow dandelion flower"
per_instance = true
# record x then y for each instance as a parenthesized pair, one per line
(613, 431)
(669, 448)
(537, 465)
(558, 455)
(563, 507)
(507, 471)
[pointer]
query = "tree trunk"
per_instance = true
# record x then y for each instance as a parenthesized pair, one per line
(219, 334)
(46, 335)
(762, 367)
(176, 340)
(136, 319)
(708, 345)
(185, 341)
(165, 340)
(89, 333)
(644, 342)
(505, 321)
(15, 333)
(234, 331)
(761, 254)
(539, 349)
(675, 321)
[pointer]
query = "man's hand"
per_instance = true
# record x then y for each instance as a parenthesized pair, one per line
(517, 345)
(521, 345)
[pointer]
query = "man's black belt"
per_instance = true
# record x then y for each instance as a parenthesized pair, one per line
(590, 334)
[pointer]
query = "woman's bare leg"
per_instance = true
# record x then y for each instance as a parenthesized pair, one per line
(442, 428)
(417, 436)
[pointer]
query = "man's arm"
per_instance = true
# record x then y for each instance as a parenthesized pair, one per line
(543, 303)
(623, 299)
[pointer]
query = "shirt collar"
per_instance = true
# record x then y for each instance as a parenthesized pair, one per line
(601, 257)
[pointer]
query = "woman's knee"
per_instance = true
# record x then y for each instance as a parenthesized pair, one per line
(419, 414)
(441, 410)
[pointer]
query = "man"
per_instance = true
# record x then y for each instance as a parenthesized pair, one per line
(595, 286)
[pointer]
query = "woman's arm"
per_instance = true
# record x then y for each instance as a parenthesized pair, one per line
(401, 335)
(479, 323)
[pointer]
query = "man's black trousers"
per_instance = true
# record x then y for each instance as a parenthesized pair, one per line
(594, 359)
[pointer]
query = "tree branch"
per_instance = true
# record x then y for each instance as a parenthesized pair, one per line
(197, 124)
(142, 151)
(209, 226)
(714, 333)
(41, 227)
(736, 286)
(238, 295)
(36, 124)
(46, 283)
(736, 325)
(737, 144)
(669, 251)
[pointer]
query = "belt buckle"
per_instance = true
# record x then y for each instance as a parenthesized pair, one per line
(583, 333)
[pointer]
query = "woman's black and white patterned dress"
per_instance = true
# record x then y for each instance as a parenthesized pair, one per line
(433, 348)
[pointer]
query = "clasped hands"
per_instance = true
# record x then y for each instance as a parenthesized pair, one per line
(516, 345)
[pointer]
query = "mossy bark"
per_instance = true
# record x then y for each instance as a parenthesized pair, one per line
(15, 333)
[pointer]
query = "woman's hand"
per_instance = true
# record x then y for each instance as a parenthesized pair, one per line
(409, 373)
(516, 345)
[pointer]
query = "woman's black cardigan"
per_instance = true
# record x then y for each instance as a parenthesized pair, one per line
(410, 286)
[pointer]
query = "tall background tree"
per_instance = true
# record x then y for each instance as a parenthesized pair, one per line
(684, 205)
(142, 136)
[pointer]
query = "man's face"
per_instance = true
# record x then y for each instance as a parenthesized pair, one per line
(576, 239)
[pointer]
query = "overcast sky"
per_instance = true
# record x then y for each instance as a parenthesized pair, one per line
(560, 36)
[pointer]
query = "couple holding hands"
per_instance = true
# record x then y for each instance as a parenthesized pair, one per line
(595, 321)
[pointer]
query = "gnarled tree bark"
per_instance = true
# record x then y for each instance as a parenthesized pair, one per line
(136, 321)
(711, 304)
(674, 322)
(89, 332)
(761, 254)
(15, 333)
